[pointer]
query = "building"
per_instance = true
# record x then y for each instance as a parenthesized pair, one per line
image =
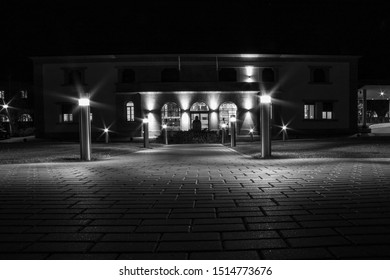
(16, 108)
(373, 103)
(310, 94)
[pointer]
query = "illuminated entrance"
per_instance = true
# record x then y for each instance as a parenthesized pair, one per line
(200, 110)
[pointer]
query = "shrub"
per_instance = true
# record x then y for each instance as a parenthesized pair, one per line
(190, 137)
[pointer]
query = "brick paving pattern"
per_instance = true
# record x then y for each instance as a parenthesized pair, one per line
(196, 202)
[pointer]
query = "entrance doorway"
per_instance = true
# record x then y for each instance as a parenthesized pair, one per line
(200, 110)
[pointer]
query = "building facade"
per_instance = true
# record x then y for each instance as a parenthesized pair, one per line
(16, 108)
(310, 94)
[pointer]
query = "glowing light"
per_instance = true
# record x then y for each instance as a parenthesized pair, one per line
(164, 126)
(265, 99)
(248, 103)
(249, 71)
(284, 127)
(84, 102)
(251, 130)
(223, 125)
(145, 120)
(5, 106)
(185, 121)
(233, 119)
(382, 93)
(106, 130)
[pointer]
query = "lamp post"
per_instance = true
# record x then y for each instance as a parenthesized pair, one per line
(284, 131)
(265, 108)
(165, 128)
(145, 122)
(251, 133)
(233, 131)
(85, 129)
(106, 135)
(223, 133)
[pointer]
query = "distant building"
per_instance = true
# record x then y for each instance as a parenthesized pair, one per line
(373, 102)
(310, 94)
(16, 108)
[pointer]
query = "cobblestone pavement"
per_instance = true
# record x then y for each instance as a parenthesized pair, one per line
(196, 202)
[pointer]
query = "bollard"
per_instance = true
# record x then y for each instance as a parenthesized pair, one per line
(146, 132)
(265, 107)
(85, 129)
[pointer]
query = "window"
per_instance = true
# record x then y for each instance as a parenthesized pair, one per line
(200, 110)
(327, 110)
(130, 111)
(74, 76)
(1, 94)
(227, 75)
(170, 75)
(23, 94)
(309, 111)
(268, 75)
(170, 115)
(25, 118)
(319, 75)
(128, 76)
(227, 110)
(4, 118)
(66, 113)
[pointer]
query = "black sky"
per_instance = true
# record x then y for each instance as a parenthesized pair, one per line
(58, 27)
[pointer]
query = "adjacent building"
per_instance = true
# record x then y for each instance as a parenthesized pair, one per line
(310, 94)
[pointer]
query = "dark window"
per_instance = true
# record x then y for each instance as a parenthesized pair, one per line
(268, 75)
(170, 75)
(320, 75)
(227, 75)
(74, 76)
(128, 76)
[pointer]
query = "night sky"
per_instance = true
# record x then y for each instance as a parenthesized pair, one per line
(341, 27)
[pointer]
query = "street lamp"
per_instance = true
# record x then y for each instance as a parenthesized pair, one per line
(106, 134)
(5, 106)
(284, 131)
(251, 133)
(165, 128)
(85, 129)
(145, 122)
(223, 133)
(265, 110)
(233, 121)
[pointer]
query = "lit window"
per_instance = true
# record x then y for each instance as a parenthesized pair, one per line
(226, 111)
(309, 111)
(4, 118)
(23, 94)
(66, 113)
(130, 111)
(170, 115)
(327, 111)
(1, 94)
(200, 110)
(25, 118)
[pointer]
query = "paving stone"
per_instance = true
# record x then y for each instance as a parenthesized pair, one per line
(140, 205)
(297, 254)
(254, 244)
(189, 246)
(227, 255)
